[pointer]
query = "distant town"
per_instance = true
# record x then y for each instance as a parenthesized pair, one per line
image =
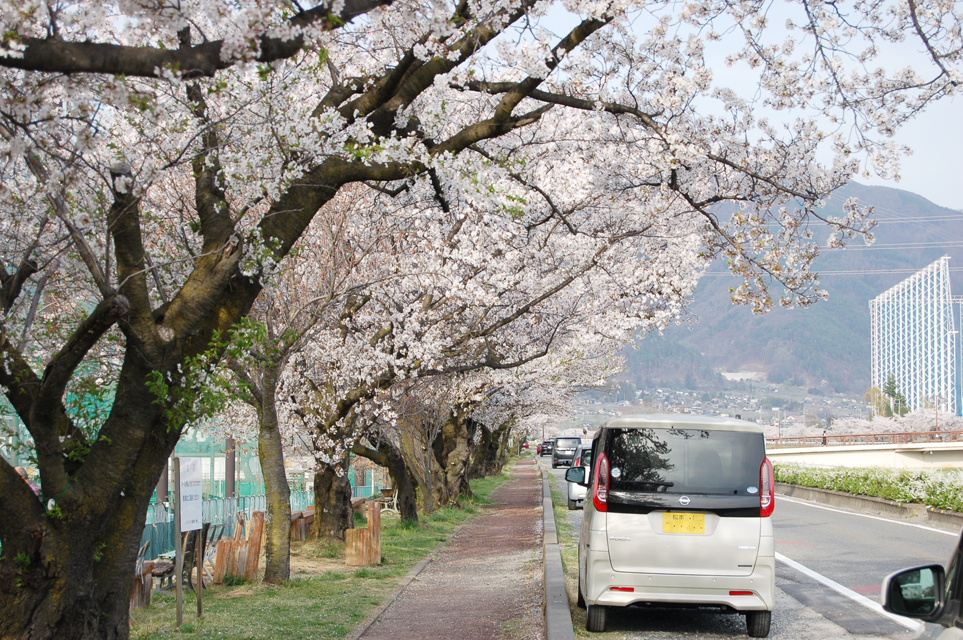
(766, 404)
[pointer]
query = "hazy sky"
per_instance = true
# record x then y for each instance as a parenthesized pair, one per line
(934, 170)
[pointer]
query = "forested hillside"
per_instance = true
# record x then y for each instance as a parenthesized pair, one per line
(826, 342)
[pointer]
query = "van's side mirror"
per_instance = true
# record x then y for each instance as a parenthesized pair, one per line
(576, 475)
(915, 593)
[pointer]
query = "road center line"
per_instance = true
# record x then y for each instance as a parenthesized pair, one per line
(912, 625)
(863, 515)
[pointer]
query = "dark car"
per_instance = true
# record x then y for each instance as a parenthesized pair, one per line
(545, 449)
(563, 451)
(930, 594)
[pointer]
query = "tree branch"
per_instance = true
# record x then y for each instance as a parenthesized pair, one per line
(54, 55)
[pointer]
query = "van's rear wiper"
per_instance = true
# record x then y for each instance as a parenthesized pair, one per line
(657, 483)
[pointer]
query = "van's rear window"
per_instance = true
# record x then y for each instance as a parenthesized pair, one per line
(685, 461)
(567, 443)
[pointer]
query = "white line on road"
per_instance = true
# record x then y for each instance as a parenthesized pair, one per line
(912, 625)
(863, 515)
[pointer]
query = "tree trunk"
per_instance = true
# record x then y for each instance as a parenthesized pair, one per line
(332, 502)
(270, 451)
(418, 461)
(68, 574)
(504, 449)
(452, 449)
(387, 455)
(484, 453)
(490, 454)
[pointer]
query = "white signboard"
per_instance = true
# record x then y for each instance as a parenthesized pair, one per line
(190, 490)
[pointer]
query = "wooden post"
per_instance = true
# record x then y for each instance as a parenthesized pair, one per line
(199, 556)
(363, 546)
(179, 542)
(374, 529)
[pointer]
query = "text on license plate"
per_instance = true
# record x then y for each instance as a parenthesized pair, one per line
(683, 522)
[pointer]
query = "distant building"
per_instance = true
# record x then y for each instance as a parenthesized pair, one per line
(914, 338)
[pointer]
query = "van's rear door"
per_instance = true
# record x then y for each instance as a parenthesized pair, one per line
(684, 501)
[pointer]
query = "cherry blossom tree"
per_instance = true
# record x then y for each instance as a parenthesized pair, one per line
(160, 161)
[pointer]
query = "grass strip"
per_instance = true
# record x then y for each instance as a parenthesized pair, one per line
(330, 605)
(568, 546)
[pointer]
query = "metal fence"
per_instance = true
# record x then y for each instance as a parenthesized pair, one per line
(159, 528)
(865, 438)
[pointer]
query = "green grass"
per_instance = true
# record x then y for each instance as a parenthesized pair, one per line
(568, 546)
(940, 489)
(331, 605)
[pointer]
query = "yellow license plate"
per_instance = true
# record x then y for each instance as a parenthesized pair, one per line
(683, 522)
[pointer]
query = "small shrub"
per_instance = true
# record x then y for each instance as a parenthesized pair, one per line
(234, 581)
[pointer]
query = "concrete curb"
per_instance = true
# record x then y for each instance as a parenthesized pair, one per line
(945, 518)
(869, 504)
(408, 579)
(558, 615)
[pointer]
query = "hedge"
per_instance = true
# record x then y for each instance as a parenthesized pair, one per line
(938, 489)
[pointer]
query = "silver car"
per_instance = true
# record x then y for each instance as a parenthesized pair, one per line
(677, 513)
(576, 492)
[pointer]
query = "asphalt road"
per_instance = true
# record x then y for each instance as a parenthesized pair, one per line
(854, 550)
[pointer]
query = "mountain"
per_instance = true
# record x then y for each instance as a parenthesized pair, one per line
(827, 344)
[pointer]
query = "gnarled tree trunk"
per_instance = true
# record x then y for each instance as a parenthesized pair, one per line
(389, 456)
(67, 572)
(332, 502)
(452, 452)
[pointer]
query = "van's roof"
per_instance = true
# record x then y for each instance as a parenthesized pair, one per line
(682, 421)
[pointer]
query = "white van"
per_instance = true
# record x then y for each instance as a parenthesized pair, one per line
(677, 513)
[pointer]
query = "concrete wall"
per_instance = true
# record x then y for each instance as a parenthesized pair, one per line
(934, 455)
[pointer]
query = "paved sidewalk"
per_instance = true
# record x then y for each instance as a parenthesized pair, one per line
(486, 584)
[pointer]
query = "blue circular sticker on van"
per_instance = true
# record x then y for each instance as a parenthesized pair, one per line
(753, 490)
(616, 473)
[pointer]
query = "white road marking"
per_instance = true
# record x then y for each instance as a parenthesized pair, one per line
(863, 515)
(912, 625)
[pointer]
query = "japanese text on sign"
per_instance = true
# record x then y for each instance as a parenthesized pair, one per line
(191, 497)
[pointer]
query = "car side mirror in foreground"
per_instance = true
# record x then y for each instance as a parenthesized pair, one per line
(576, 475)
(915, 593)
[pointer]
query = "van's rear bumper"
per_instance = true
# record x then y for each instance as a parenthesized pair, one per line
(682, 589)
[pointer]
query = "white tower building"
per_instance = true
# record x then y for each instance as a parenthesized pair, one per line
(913, 337)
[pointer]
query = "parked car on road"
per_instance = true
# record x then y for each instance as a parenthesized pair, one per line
(563, 451)
(677, 514)
(576, 492)
(930, 594)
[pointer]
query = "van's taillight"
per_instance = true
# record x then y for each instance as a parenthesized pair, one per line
(600, 491)
(767, 489)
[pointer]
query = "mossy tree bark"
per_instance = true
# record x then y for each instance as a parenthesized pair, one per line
(277, 523)
(491, 452)
(332, 502)
(452, 449)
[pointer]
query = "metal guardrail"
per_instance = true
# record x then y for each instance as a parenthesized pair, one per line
(922, 437)
(159, 528)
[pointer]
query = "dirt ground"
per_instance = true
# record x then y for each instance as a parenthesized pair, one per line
(487, 583)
